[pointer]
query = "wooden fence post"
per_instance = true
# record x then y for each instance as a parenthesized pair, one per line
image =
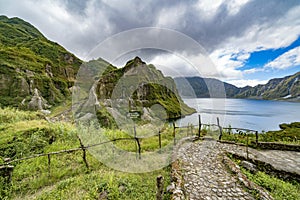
(174, 132)
(137, 141)
(49, 165)
(247, 147)
(159, 139)
(6, 172)
(188, 129)
(199, 129)
(256, 137)
(84, 154)
(220, 128)
(160, 187)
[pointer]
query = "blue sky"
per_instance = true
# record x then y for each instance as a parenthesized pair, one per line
(248, 41)
(259, 61)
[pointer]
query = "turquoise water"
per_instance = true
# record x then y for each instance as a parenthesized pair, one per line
(243, 113)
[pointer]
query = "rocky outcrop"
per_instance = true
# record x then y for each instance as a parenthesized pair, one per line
(143, 86)
(37, 102)
(30, 61)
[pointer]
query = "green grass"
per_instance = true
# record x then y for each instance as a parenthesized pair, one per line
(289, 134)
(25, 133)
(278, 188)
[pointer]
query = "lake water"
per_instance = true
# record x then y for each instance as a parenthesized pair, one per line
(243, 113)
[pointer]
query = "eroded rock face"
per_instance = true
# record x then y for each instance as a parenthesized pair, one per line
(37, 102)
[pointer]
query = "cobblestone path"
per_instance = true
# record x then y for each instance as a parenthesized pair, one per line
(204, 174)
(288, 161)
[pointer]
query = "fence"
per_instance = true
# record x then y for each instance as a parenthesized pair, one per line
(189, 128)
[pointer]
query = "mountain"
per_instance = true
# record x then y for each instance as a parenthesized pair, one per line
(35, 73)
(206, 87)
(137, 87)
(286, 88)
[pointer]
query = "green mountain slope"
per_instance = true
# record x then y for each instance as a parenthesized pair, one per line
(206, 87)
(286, 88)
(34, 71)
(135, 87)
(280, 88)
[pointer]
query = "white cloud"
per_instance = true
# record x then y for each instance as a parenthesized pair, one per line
(230, 30)
(253, 70)
(208, 8)
(170, 17)
(246, 82)
(288, 59)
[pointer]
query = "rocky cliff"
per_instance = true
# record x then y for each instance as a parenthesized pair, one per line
(35, 72)
(144, 87)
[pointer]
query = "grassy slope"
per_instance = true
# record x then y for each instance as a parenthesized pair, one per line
(278, 188)
(23, 48)
(26, 133)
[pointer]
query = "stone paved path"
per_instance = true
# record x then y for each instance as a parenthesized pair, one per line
(204, 174)
(288, 161)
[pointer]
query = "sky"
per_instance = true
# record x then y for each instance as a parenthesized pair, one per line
(248, 41)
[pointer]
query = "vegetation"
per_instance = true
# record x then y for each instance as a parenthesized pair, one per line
(286, 88)
(289, 134)
(25, 133)
(28, 60)
(278, 188)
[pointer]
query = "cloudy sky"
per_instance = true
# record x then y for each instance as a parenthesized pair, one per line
(249, 41)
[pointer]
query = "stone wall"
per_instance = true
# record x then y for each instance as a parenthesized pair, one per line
(278, 146)
(269, 169)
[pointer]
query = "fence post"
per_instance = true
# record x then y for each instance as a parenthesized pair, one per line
(137, 141)
(6, 172)
(84, 153)
(199, 129)
(139, 147)
(247, 147)
(256, 137)
(159, 139)
(49, 163)
(174, 136)
(160, 187)
(188, 129)
(220, 128)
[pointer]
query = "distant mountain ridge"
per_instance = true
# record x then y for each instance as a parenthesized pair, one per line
(286, 88)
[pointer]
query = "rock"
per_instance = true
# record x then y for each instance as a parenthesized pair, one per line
(171, 188)
(46, 112)
(122, 188)
(48, 70)
(103, 195)
(250, 166)
(29, 73)
(37, 102)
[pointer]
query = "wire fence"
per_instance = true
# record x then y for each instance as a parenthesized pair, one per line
(190, 131)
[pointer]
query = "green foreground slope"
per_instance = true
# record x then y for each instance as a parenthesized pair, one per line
(25, 133)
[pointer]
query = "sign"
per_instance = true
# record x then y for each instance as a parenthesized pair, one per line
(133, 114)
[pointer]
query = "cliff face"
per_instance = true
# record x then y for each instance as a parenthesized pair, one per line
(33, 67)
(144, 86)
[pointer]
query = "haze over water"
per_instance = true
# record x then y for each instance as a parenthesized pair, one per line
(243, 113)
